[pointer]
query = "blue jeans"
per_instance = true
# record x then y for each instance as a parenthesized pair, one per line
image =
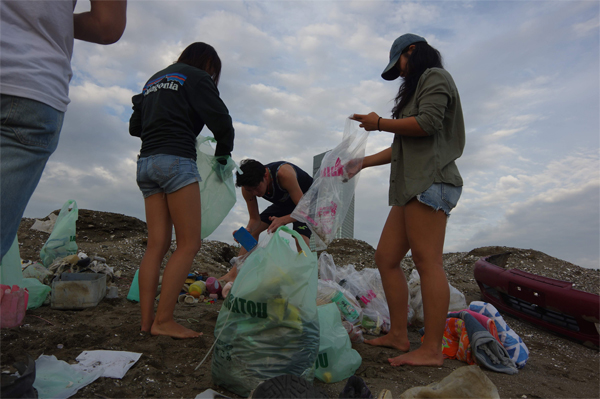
(29, 132)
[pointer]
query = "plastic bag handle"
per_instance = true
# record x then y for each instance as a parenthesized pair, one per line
(297, 236)
(65, 210)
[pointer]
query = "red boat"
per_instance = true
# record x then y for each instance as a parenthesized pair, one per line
(546, 302)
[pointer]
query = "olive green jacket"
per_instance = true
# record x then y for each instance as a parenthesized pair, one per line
(418, 162)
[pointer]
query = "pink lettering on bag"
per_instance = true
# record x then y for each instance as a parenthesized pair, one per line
(327, 210)
(332, 171)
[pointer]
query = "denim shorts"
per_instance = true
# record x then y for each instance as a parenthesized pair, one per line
(164, 173)
(440, 196)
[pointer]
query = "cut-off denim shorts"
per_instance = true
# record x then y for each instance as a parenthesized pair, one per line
(440, 196)
(164, 173)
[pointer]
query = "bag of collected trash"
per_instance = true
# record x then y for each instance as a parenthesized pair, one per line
(217, 190)
(464, 382)
(457, 298)
(324, 206)
(376, 317)
(13, 304)
(327, 268)
(61, 242)
(337, 360)
(268, 325)
(331, 292)
(12, 274)
(39, 272)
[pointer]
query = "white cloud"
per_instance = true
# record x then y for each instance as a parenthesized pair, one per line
(528, 74)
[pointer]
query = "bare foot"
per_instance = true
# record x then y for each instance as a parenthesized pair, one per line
(147, 325)
(173, 329)
(390, 341)
(418, 357)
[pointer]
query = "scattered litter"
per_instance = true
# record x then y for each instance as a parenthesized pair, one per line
(45, 226)
(111, 364)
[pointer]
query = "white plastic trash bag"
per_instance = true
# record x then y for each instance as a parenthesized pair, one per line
(324, 206)
(457, 298)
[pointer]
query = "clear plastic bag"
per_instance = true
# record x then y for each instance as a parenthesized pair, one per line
(329, 291)
(324, 206)
(457, 299)
(217, 190)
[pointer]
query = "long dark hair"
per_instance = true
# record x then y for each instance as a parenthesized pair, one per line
(422, 58)
(202, 56)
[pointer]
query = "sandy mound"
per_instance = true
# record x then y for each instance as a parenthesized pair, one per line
(557, 366)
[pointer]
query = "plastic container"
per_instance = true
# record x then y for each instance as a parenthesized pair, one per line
(246, 239)
(13, 304)
(348, 310)
(213, 286)
(134, 290)
(197, 288)
(78, 290)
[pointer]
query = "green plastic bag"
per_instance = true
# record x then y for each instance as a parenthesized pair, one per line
(61, 242)
(217, 190)
(268, 325)
(337, 360)
(12, 274)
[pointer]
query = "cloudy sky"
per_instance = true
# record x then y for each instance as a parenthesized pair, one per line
(527, 72)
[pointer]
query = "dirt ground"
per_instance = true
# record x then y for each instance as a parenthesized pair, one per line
(557, 367)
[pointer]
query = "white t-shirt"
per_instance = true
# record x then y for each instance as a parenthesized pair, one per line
(36, 42)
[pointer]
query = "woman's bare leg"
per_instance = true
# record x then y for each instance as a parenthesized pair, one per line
(426, 230)
(184, 208)
(159, 226)
(393, 246)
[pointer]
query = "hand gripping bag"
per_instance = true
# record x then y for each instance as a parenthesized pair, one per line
(268, 324)
(337, 360)
(61, 242)
(217, 190)
(325, 205)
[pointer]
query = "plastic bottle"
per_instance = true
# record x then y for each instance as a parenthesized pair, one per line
(134, 290)
(348, 310)
(213, 286)
(197, 288)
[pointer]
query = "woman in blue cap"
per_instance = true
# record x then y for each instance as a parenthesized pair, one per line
(429, 135)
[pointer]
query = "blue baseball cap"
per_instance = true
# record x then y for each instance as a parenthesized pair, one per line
(400, 44)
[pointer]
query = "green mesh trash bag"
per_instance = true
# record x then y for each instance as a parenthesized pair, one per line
(337, 360)
(217, 190)
(61, 242)
(268, 324)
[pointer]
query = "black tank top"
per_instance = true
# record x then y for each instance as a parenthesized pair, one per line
(279, 195)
